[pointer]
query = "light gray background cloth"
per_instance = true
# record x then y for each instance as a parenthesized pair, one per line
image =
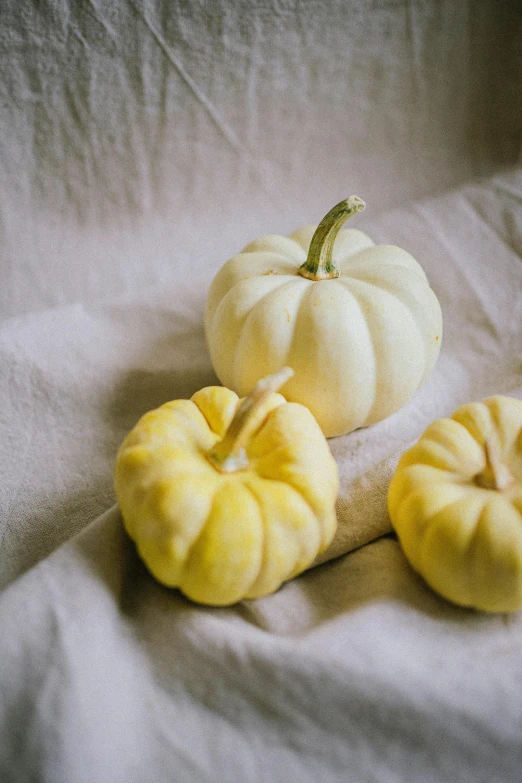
(141, 145)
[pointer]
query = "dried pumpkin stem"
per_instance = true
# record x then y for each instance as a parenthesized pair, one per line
(496, 475)
(320, 264)
(229, 455)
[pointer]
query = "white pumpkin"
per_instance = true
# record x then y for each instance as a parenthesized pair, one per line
(357, 322)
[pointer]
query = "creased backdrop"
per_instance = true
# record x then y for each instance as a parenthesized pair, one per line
(142, 144)
(138, 138)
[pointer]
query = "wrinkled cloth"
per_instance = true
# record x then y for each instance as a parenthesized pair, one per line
(148, 140)
(353, 671)
(141, 145)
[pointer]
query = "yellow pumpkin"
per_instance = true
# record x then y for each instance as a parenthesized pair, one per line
(456, 504)
(358, 323)
(227, 499)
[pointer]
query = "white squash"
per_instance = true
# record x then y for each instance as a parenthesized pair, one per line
(357, 322)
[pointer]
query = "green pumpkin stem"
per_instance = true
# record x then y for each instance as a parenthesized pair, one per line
(320, 264)
(229, 455)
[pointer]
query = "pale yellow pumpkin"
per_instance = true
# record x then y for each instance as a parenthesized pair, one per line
(358, 323)
(227, 499)
(456, 504)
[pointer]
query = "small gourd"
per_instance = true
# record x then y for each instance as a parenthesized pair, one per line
(455, 502)
(227, 499)
(358, 323)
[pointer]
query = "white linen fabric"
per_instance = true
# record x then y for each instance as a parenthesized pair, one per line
(141, 145)
(138, 137)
